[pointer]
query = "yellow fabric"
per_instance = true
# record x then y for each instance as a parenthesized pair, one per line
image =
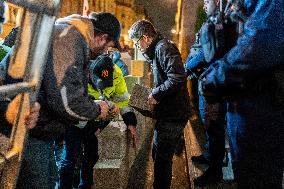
(114, 93)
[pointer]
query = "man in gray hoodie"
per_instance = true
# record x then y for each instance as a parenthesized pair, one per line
(63, 95)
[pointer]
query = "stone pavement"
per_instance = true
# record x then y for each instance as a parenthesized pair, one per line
(194, 140)
(143, 177)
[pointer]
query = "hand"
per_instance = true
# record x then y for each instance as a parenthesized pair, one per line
(134, 134)
(32, 118)
(104, 109)
(115, 110)
(152, 100)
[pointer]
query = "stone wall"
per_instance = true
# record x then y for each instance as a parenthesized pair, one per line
(119, 157)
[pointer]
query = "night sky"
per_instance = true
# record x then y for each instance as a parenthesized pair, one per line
(162, 13)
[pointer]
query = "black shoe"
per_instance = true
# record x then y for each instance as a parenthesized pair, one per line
(179, 147)
(200, 159)
(210, 176)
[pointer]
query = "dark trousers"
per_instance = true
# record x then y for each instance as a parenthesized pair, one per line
(166, 137)
(256, 130)
(76, 138)
(213, 118)
(38, 169)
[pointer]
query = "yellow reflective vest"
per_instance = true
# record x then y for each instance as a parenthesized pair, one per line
(118, 93)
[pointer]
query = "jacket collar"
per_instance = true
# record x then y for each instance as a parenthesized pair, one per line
(150, 51)
(82, 24)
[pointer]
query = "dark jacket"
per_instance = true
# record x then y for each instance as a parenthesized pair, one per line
(64, 95)
(248, 68)
(195, 65)
(170, 88)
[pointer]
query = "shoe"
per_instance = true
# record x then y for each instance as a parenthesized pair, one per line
(179, 147)
(210, 176)
(200, 159)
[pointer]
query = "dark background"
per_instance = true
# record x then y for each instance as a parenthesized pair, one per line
(162, 13)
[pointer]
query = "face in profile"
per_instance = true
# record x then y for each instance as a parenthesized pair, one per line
(142, 43)
(101, 45)
(209, 7)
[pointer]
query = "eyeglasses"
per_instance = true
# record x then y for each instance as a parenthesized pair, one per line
(137, 43)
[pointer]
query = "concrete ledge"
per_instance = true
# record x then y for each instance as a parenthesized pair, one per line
(119, 157)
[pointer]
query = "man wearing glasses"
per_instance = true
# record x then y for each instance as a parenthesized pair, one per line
(169, 97)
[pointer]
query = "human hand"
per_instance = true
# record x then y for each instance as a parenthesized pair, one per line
(115, 110)
(104, 109)
(32, 118)
(134, 134)
(152, 100)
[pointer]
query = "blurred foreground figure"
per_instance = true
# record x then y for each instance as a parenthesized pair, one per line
(250, 77)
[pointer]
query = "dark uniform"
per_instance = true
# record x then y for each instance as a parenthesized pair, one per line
(247, 76)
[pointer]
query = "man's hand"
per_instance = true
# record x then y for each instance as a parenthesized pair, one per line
(32, 118)
(151, 100)
(104, 109)
(134, 134)
(115, 110)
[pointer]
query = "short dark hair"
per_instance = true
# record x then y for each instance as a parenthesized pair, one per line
(99, 33)
(142, 27)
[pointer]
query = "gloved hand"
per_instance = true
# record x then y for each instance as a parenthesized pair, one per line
(190, 74)
(208, 90)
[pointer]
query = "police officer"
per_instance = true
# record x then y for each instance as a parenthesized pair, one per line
(212, 113)
(247, 76)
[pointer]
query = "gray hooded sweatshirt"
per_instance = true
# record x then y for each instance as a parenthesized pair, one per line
(63, 95)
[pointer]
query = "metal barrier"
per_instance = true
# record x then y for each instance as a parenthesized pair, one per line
(27, 63)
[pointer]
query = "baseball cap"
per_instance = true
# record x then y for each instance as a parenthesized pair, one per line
(101, 71)
(107, 23)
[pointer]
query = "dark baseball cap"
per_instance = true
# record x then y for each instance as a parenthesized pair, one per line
(107, 23)
(101, 71)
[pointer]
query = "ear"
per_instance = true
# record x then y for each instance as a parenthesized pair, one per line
(104, 37)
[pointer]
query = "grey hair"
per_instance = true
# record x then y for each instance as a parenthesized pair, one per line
(142, 27)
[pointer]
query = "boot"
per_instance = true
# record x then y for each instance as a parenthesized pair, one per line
(200, 159)
(210, 176)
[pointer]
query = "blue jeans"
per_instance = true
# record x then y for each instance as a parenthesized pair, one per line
(74, 139)
(213, 118)
(38, 169)
(166, 137)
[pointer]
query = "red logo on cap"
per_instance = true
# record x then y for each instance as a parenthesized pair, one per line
(104, 73)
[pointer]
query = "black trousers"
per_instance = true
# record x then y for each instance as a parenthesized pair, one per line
(166, 137)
